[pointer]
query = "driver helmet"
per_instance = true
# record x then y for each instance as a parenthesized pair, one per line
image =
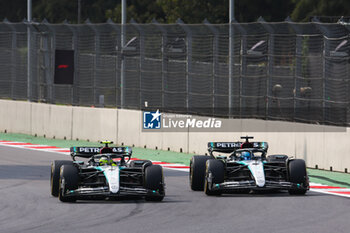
(246, 155)
(104, 161)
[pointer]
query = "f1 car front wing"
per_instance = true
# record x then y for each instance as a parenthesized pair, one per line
(104, 191)
(250, 184)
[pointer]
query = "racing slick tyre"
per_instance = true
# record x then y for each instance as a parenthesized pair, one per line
(154, 180)
(69, 178)
(55, 175)
(197, 172)
(214, 174)
(297, 174)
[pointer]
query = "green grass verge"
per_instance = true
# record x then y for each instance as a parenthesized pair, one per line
(141, 153)
(337, 179)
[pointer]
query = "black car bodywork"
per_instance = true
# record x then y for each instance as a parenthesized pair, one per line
(72, 180)
(230, 172)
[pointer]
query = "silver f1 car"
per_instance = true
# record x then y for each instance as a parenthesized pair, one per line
(246, 167)
(108, 173)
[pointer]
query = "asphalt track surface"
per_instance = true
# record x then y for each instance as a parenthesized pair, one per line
(26, 206)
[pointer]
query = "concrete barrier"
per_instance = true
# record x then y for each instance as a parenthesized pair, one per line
(327, 147)
(16, 116)
(4, 118)
(94, 124)
(41, 116)
(129, 127)
(60, 123)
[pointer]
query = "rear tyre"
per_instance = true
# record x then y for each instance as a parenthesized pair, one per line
(55, 175)
(298, 175)
(197, 172)
(154, 180)
(69, 179)
(214, 174)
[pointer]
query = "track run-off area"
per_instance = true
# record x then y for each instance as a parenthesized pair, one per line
(27, 206)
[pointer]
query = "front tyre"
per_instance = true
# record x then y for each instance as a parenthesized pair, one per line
(298, 175)
(69, 179)
(55, 175)
(197, 172)
(214, 174)
(154, 181)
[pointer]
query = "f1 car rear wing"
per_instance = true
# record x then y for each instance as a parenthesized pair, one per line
(87, 152)
(230, 147)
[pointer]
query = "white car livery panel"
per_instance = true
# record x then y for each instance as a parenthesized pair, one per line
(257, 170)
(112, 176)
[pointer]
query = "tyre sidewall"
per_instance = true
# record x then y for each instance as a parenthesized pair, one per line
(297, 174)
(55, 175)
(197, 172)
(217, 170)
(154, 180)
(69, 179)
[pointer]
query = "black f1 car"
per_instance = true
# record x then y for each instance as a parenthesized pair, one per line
(108, 173)
(246, 167)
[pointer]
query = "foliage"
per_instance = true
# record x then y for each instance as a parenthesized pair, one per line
(14, 10)
(56, 11)
(168, 11)
(141, 11)
(305, 9)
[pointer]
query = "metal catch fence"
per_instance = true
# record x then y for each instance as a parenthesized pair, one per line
(280, 71)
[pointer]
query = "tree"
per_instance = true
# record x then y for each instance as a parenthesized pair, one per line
(168, 11)
(195, 11)
(55, 11)
(305, 9)
(192, 11)
(141, 11)
(270, 10)
(14, 10)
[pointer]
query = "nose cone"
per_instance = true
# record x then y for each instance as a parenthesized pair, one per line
(257, 169)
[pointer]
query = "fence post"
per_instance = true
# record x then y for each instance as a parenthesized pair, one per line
(142, 56)
(231, 64)
(13, 55)
(164, 57)
(270, 61)
(29, 64)
(33, 60)
(325, 49)
(322, 29)
(48, 61)
(298, 53)
(189, 60)
(29, 43)
(118, 59)
(97, 56)
(122, 68)
(215, 57)
(243, 62)
(75, 47)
